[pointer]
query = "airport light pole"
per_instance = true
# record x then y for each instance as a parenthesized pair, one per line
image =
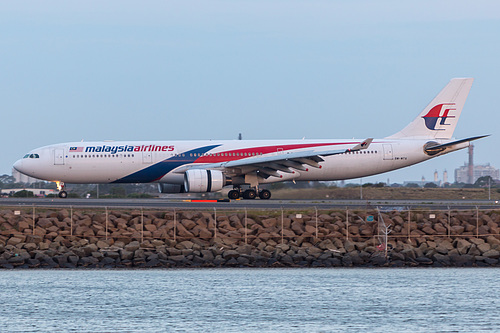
(489, 188)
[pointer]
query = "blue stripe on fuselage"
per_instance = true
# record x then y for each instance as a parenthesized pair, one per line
(160, 169)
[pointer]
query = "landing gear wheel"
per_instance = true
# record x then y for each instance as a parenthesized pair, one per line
(264, 194)
(63, 194)
(249, 194)
(233, 194)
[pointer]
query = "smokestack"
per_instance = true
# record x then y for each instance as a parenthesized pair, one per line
(470, 170)
(435, 175)
(445, 176)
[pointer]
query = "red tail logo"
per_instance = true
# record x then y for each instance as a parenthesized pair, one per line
(440, 111)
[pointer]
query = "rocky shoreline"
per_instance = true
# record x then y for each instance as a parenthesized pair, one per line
(163, 239)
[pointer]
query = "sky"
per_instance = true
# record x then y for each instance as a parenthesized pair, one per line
(180, 70)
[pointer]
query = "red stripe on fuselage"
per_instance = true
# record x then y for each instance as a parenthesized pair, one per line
(237, 154)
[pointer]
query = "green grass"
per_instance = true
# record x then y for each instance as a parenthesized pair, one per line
(386, 193)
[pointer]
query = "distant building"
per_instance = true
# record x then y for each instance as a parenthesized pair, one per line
(421, 183)
(38, 192)
(21, 178)
(462, 174)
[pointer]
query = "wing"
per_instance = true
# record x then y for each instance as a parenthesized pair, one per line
(286, 162)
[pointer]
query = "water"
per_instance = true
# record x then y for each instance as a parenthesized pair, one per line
(251, 300)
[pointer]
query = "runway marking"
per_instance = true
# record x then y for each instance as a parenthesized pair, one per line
(207, 200)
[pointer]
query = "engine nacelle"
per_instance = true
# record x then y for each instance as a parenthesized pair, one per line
(171, 188)
(201, 180)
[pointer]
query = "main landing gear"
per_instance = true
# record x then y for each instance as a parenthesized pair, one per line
(62, 193)
(251, 193)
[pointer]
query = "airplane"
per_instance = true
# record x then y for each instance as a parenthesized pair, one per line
(209, 166)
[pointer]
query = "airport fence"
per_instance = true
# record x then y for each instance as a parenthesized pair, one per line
(245, 226)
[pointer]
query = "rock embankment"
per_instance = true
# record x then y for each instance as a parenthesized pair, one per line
(132, 239)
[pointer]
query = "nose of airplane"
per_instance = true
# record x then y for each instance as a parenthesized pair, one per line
(19, 165)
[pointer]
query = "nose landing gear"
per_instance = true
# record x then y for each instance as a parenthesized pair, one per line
(62, 193)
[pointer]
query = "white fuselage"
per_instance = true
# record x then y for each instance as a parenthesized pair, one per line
(154, 161)
(205, 166)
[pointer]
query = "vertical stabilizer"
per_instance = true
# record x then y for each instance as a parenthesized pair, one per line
(439, 119)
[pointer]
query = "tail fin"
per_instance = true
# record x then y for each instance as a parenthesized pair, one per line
(439, 119)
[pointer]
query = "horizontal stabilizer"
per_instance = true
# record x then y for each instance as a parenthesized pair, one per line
(433, 150)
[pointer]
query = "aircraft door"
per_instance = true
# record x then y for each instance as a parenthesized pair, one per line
(388, 152)
(58, 156)
(147, 157)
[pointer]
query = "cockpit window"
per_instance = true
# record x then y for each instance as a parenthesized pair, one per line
(31, 156)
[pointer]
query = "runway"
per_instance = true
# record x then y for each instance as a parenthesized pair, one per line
(179, 203)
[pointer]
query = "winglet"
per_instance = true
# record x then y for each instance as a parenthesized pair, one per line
(362, 145)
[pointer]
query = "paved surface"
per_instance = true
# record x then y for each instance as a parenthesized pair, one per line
(249, 204)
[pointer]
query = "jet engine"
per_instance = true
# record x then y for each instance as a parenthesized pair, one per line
(171, 188)
(201, 180)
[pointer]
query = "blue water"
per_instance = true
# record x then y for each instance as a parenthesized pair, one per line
(251, 300)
